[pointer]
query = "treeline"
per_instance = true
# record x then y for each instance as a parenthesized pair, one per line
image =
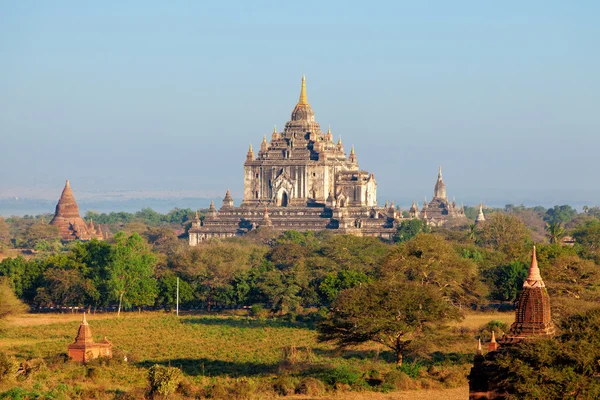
(471, 266)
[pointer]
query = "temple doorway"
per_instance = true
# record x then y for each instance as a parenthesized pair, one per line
(284, 200)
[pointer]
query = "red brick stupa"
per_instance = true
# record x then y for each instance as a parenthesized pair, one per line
(532, 321)
(84, 349)
(70, 224)
(533, 317)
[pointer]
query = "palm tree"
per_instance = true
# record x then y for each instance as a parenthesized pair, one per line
(555, 231)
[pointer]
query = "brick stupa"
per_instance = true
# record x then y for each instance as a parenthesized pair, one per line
(532, 321)
(84, 349)
(70, 224)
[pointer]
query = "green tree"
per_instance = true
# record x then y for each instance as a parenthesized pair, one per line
(566, 365)
(559, 214)
(9, 303)
(408, 229)
(555, 231)
(4, 234)
(430, 261)
(507, 280)
(385, 312)
(587, 237)
(334, 283)
(505, 233)
(130, 273)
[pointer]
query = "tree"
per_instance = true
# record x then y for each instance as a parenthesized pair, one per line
(587, 237)
(556, 231)
(566, 365)
(130, 273)
(4, 234)
(430, 261)
(385, 312)
(505, 233)
(559, 214)
(334, 283)
(9, 303)
(507, 280)
(408, 229)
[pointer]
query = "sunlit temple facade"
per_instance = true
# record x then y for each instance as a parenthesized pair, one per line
(302, 179)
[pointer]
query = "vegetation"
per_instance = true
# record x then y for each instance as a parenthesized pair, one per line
(322, 312)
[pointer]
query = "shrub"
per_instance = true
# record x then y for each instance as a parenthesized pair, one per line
(399, 380)
(310, 386)
(342, 375)
(411, 369)
(164, 380)
(258, 311)
(8, 367)
(284, 385)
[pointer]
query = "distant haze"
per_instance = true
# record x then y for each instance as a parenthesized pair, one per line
(165, 97)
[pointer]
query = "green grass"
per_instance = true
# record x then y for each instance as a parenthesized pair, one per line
(219, 354)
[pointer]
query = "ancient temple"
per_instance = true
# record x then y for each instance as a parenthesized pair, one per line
(439, 211)
(301, 179)
(480, 216)
(70, 224)
(84, 348)
(532, 321)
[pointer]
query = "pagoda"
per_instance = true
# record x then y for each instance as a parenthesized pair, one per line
(532, 321)
(84, 348)
(70, 224)
(306, 181)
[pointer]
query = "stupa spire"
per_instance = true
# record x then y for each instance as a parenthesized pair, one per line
(303, 100)
(534, 278)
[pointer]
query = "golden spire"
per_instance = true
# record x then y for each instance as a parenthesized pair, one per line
(274, 128)
(250, 149)
(329, 129)
(352, 150)
(303, 99)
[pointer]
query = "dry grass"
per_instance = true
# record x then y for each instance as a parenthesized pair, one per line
(459, 393)
(213, 349)
(475, 320)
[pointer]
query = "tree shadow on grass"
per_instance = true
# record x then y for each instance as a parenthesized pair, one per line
(208, 367)
(356, 354)
(245, 322)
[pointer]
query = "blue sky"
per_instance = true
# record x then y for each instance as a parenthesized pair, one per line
(147, 95)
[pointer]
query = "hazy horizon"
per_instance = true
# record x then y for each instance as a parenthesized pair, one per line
(166, 97)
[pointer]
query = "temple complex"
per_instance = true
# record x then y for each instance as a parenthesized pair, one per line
(84, 348)
(301, 179)
(532, 321)
(439, 211)
(70, 224)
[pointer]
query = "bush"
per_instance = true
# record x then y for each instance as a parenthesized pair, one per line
(399, 380)
(412, 370)
(258, 311)
(310, 386)
(284, 385)
(164, 380)
(342, 375)
(8, 367)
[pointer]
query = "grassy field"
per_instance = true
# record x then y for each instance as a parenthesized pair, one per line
(233, 357)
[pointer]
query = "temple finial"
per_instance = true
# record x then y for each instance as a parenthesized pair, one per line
(84, 320)
(479, 349)
(440, 172)
(352, 150)
(329, 129)
(534, 277)
(274, 128)
(250, 148)
(303, 99)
